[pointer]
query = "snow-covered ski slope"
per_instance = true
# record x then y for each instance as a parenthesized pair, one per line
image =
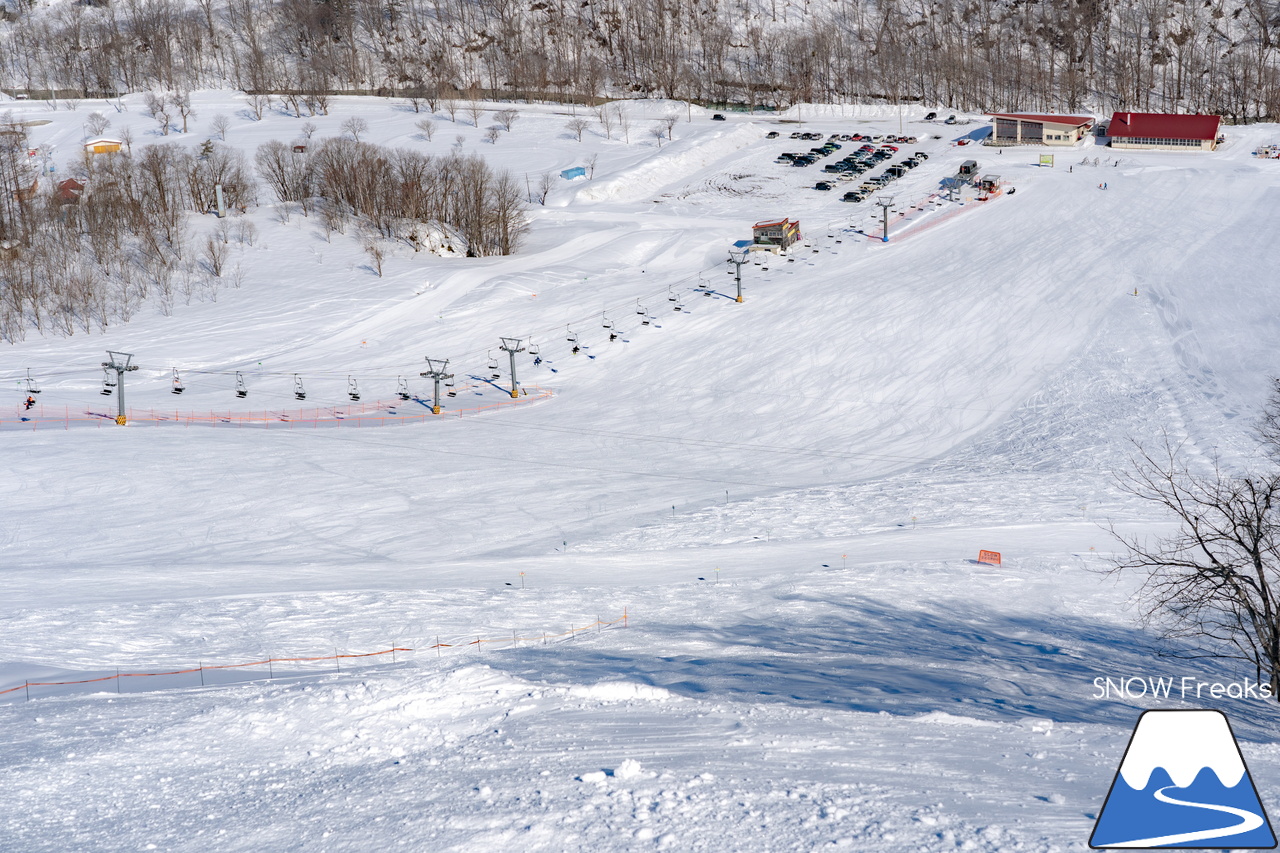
(787, 494)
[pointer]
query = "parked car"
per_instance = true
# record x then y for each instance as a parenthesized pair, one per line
(854, 197)
(773, 134)
(795, 135)
(822, 185)
(930, 116)
(950, 120)
(717, 117)
(920, 155)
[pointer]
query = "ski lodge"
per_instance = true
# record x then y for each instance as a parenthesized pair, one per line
(1164, 131)
(1032, 129)
(777, 235)
(102, 145)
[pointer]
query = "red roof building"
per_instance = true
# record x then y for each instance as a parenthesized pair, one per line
(69, 191)
(1037, 129)
(1164, 130)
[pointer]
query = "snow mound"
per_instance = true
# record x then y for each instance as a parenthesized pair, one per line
(620, 691)
(942, 718)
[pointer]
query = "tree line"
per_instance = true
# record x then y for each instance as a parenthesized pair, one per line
(76, 259)
(1177, 55)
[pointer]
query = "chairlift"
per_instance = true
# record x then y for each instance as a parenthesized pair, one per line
(448, 383)
(353, 391)
(402, 388)
(606, 322)
(178, 387)
(32, 387)
(493, 362)
(534, 349)
(299, 392)
(241, 391)
(570, 335)
(679, 306)
(644, 316)
(671, 296)
(108, 382)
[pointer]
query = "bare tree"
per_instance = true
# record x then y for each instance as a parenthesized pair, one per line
(355, 126)
(259, 103)
(427, 128)
(658, 132)
(307, 129)
(624, 122)
(373, 248)
(182, 103)
(492, 133)
(1215, 583)
(475, 110)
(506, 118)
(459, 141)
(591, 165)
(220, 125)
(577, 126)
(157, 106)
(451, 107)
(546, 181)
(607, 117)
(215, 256)
(670, 120)
(97, 124)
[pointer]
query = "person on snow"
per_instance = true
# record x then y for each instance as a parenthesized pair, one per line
(29, 402)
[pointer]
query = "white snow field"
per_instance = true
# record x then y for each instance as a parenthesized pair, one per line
(787, 496)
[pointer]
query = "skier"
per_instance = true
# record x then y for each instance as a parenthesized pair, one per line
(1104, 185)
(575, 349)
(537, 359)
(29, 402)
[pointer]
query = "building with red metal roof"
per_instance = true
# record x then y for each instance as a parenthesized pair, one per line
(1164, 130)
(1036, 129)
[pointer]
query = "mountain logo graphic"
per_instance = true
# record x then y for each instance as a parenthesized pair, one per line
(1182, 783)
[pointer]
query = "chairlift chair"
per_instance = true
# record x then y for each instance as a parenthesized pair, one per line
(32, 387)
(353, 391)
(570, 335)
(671, 296)
(534, 349)
(493, 362)
(241, 391)
(299, 392)
(108, 382)
(178, 387)
(448, 383)
(402, 388)
(606, 322)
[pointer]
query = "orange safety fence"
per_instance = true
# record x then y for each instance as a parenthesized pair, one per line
(514, 640)
(360, 415)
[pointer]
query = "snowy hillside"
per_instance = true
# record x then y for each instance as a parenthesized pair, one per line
(786, 496)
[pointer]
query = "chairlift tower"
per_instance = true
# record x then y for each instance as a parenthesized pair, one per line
(121, 363)
(511, 346)
(738, 257)
(885, 202)
(437, 369)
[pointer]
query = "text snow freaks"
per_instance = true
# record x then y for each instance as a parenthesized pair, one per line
(1183, 687)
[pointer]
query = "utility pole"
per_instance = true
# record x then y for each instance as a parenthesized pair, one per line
(885, 203)
(121, 363)
(437, 370)
(738, 257)
(511, 346)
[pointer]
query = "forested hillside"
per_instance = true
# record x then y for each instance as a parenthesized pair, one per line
(1186, 55)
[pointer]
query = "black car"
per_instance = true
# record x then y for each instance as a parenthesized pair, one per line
(773, 134)
(930, 116)
(801, 161)
(853, 196)
(822, 185)
(717, 117)
(920, 155)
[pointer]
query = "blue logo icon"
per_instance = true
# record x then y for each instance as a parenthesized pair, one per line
(1183, 782)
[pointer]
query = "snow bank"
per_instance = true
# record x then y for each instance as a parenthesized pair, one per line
(620, 691)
